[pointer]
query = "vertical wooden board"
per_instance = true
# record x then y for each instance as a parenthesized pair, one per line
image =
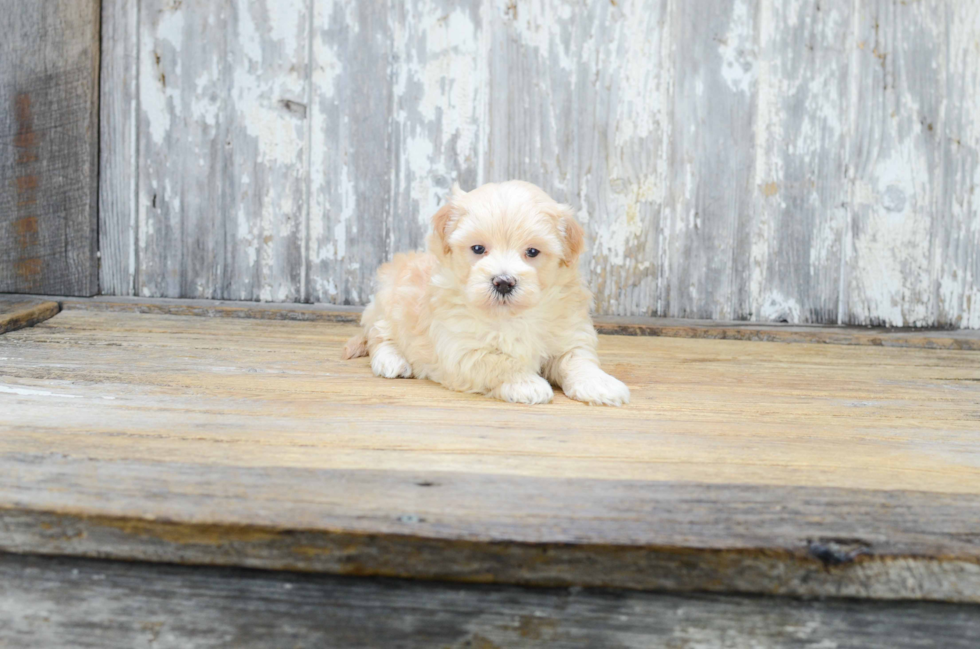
(350, 158)
(118, 154)
(182, 144)
(623, 180)
(266, 163)
(894, 160)
(222, 192)
(577, 104)
(440, 83)
(956, 252)
(800, 184)
(712, 157)
(49, 72)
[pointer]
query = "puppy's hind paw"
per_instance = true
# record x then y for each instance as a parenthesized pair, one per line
(596, 388)
(386, 362)
(526, 389)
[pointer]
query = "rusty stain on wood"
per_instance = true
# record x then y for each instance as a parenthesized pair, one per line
(49, 156)
(28, 266)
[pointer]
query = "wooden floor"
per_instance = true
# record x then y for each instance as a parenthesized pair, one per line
(745, 467)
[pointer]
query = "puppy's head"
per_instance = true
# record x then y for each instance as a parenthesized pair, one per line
(506, 243)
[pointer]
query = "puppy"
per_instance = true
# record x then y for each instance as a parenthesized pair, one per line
(496, 305)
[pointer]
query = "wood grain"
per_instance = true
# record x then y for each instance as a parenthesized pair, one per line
(739, 466)
(118, 176)
(956, 224)
(801, 196)
(223, 93)
(350, 160)
(56, 602)
(964, 339)
(892, 147)
(798, 162)
(17, 313)
(49, 80)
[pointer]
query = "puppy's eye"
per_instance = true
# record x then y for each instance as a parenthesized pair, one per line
(532, 252)
(478, 249)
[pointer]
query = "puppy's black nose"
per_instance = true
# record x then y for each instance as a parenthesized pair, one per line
(504, 284)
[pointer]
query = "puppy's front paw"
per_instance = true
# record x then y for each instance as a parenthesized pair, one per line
(388, 363)
(526, 389)
(595, 387)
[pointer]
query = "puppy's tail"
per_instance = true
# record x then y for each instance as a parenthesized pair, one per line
(355, 347)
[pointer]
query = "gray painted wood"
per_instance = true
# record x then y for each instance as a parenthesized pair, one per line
(223, 94)
(752, 159)
(577, 104)
(118, 102)
(715, 70)
(49, 603)
(893, 152)
(350, 163)
(801, 199)
(49, 78)
(956, 244)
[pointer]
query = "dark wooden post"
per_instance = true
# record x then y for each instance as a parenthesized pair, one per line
(49, 145)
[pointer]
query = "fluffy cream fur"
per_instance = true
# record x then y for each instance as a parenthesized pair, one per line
(438, 316)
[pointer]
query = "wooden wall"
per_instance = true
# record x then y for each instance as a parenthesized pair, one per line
(797, 160)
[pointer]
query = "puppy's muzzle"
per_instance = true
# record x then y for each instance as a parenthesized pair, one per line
(504, 284)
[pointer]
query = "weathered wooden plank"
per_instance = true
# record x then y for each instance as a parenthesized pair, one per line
(480, 528)
(742, 162)
(56, 602)
(118, 152)
(578, 104)
(800, 168)
(17, 312)
(182, 145)
(225, 309)
(894, 154)
(738, 466)
(222, 189)
(350, 164)
(438, 128)
(956, 222)
(966, 339)
(712, 158)
(49, 80)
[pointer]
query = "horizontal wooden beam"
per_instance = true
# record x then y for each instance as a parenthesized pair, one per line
(667, 536)
(966, 339)
(48, 603)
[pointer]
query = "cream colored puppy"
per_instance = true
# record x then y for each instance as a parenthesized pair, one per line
(495, 306)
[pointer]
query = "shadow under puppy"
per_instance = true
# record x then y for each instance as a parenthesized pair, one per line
(495, 306)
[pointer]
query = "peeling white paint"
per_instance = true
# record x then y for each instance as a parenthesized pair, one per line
(586, 100)
(29, 392)
(738, 50)
(780, 308)
(158, 101)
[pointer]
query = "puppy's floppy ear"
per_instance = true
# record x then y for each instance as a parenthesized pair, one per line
(573, 236)
(444, 222)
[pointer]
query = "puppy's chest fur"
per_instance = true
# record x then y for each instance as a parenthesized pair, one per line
(525, 337)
